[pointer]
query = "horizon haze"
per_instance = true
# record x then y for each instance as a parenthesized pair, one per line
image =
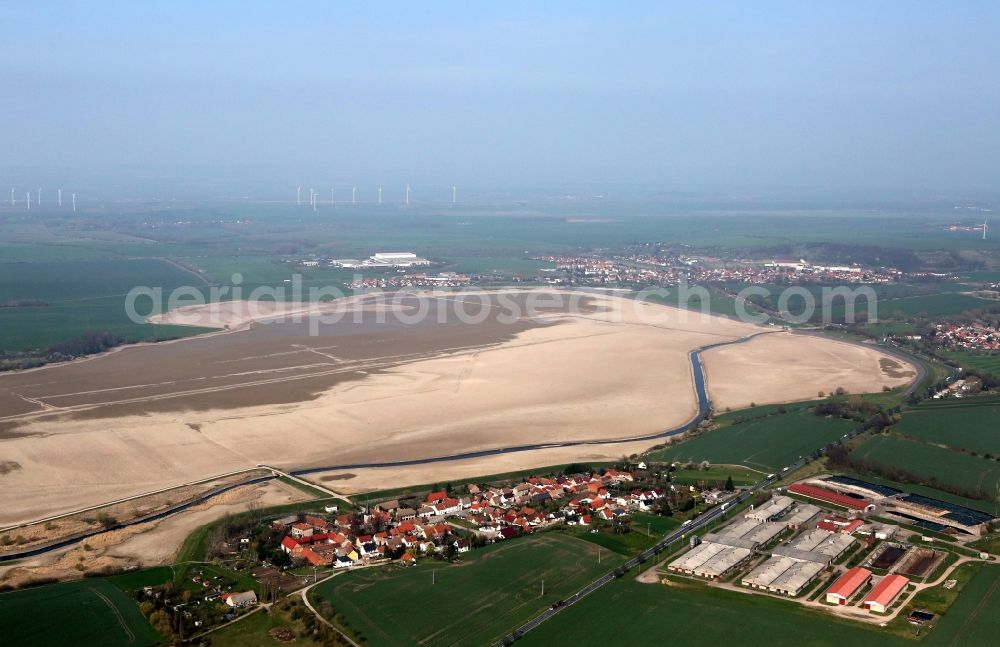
(243, 98)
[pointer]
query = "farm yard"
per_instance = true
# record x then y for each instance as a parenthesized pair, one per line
(760, 438)
(473, 602)
(90, 612)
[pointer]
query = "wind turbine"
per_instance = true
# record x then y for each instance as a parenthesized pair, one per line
(12, 196)
(60, 197)
(27, 195)
(298, 196)
(454, 193)
(39, 196)
(74, 202)
(354, 195)
(379, 193)
(333, 199)
(985, 222)
(407, 195)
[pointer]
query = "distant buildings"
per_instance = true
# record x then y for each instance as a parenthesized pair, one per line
(382, 259)
(969, 336)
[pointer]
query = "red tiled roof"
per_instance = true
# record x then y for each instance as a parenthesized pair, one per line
(851, 527)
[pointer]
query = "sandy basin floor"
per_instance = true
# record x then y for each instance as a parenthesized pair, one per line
(603, 368)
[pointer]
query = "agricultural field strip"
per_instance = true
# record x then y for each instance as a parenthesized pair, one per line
(965, 617)
(96, 607)
(922, 458)
(964, 427)
(506, 597)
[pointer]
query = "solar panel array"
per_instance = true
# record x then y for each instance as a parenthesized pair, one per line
(884, 490)
(957, 513)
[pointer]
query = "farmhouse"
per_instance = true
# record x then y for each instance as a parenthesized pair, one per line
(885, 592)
(833, 523)
(847, 585)
(300, 530)
(244, 599)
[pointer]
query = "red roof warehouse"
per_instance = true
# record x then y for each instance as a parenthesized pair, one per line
(829, 496)
(885, 592)
(847, 585)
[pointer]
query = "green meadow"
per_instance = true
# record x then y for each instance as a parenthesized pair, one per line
(473, 602)
(760, 438)
(90, 612)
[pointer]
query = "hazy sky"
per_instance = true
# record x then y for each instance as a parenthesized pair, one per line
(867, 94)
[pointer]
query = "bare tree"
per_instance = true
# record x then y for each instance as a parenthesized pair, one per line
(254, 511)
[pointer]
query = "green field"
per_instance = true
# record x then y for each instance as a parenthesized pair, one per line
(986, 362)
(945, 465)
(654, 524)
(719, 303)
(766, 443)
(933, 305)
(74, 280)
(90, 612)
(969, 424)
(471, 603)
(146, 577)
(35, 328)
(251, 631)
(716, 473)
(973, 618)
(81, 297)
(626, 612)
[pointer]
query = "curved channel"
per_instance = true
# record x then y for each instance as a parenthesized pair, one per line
(704, 407)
